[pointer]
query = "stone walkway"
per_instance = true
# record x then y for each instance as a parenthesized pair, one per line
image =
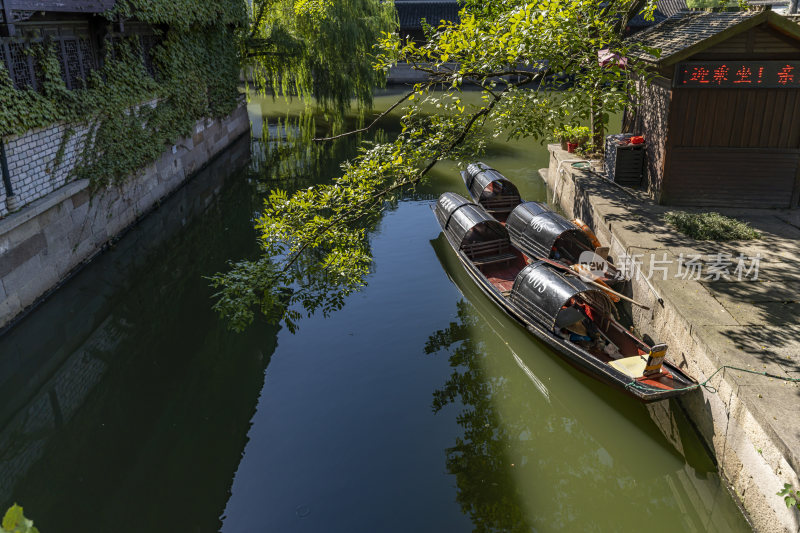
(747, 323)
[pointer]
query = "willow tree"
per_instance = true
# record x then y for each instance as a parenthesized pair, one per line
(323, 49)
(315, 242)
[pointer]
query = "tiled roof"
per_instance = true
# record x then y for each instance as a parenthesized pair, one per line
(687, 29)
(665, 9)
(411, 12)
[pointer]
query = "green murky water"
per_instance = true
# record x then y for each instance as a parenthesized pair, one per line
(126, 405)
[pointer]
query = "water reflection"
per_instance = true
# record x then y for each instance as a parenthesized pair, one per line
(548, 449)
(123, 396)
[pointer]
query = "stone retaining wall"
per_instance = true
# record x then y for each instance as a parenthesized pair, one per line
(753, 460)
(41, 243)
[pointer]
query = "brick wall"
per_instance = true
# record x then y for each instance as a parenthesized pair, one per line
(32, 160)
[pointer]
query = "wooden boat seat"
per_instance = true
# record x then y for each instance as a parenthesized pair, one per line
(630, 366)
(500, 204)
(489, 252)
(502, 258)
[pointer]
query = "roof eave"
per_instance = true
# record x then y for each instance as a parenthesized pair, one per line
(724, 35)
(779, 22)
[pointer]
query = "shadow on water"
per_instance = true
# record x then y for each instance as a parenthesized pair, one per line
(546, 447)
(123, 395)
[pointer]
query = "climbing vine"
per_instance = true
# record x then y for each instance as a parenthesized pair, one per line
(130, 117)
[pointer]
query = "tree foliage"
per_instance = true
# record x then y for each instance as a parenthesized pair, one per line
(319, 48)
(516, 57)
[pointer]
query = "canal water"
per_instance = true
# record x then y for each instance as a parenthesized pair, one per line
(126, 405)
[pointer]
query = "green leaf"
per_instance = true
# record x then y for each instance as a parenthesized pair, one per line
(13, 518)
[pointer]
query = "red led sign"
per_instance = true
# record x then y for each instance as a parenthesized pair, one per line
(738, 74)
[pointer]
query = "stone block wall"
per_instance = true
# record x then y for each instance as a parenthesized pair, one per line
(43, 242)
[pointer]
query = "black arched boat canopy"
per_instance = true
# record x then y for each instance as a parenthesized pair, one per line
(541, 293)
(540, 232)
(465, 222)
(491, 189)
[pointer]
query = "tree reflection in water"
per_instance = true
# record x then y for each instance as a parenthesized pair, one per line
(479, 460)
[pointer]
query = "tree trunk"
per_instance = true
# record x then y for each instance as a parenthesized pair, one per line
(597, 126)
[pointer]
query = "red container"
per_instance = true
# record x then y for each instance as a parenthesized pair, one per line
(571, 147)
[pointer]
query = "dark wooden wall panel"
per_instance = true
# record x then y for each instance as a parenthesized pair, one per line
(761, 42)
(733, 47)
(736, 118)
(768, 41)
(792, 127)
(732, 178)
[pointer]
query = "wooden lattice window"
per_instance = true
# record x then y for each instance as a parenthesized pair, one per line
(21, 66)
(74, 49)
(148, 42)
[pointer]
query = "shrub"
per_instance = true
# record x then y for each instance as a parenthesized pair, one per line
(573, 134)
(711, 226)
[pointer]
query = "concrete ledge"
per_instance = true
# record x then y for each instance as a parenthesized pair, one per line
(43, 242)
(751, 423)
(41, 205)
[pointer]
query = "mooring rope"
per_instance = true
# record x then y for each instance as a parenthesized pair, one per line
(710, 388)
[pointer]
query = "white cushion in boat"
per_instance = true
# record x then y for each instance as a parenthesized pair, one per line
(632, 366)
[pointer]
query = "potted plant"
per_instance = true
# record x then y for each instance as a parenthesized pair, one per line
(560, 134)
(575, 137)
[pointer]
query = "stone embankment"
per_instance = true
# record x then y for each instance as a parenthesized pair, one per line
(710, 318)
(42, 242)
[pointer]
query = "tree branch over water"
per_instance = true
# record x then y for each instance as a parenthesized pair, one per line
(372, 124)
(315, 241)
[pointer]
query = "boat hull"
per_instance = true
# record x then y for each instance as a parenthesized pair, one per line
(574, 355)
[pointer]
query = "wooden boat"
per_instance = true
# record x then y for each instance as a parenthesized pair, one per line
(573, 317)
(533, 227)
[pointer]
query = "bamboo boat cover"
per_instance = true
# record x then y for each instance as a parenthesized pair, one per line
(541, 292)
(466, 222)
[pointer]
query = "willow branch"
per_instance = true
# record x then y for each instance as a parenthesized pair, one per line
(367, 128)
(261, 12)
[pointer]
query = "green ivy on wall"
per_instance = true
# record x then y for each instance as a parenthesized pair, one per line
(131, 117)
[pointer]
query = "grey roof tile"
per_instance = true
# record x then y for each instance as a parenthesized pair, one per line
(411, 12)
(685, 29)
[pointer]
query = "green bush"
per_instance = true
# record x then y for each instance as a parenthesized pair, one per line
(573, 134)
(711, 226)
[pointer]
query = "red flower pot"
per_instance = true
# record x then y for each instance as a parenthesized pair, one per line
(571, 147)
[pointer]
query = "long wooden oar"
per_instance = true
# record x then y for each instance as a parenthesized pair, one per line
(596, 284)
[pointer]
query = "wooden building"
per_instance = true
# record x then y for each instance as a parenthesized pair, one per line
(77, 30)
(722, 117)
(411, 13)
(664, 9)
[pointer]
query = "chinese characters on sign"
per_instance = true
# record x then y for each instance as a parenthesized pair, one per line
(738, 74)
